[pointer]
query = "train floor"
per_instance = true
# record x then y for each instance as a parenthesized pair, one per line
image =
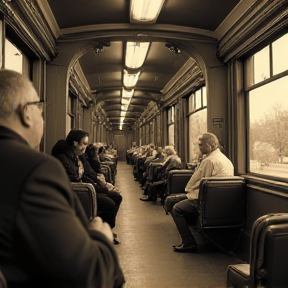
(145, 253)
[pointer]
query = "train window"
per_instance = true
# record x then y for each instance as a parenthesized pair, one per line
(71, 112)
(197, 119)
(268, 114)
(280, 59)
(15, 59)
(151, 132)
(158, 131)
(171, 117)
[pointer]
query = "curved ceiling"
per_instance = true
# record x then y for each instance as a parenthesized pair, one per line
(108, 23)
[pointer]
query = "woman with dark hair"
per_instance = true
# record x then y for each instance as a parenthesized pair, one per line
(71, 154)
(94, 161)
(91, 153)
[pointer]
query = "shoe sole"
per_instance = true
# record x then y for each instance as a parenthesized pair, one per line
(186, 250)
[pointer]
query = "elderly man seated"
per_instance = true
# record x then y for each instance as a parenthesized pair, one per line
(215, 164)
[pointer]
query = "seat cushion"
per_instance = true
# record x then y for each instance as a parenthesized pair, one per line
(238, 276)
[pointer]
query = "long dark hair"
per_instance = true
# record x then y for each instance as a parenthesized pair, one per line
(75, 135)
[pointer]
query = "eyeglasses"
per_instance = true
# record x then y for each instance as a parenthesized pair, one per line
(39, 104)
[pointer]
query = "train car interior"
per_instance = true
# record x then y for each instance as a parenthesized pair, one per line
(131, 76)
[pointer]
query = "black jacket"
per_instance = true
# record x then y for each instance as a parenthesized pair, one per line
(66, 156)
(44, 235)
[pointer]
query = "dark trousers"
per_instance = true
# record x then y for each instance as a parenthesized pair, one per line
(108, 206)
(185, 214)
(117, 198)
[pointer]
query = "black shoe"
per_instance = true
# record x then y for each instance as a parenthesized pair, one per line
(148, 199)
(174, 246)
(186, 248)
(116, 242)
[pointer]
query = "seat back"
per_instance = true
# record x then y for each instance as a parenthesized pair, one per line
(269, 251)
(3, 283)
(87, 195)
(222, 202)
(177, 180)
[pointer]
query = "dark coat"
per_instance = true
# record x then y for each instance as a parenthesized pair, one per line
(66, 156)
(44, 235)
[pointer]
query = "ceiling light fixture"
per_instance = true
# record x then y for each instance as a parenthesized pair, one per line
(135, 54)
(130, 79)
(145, 11)
(125, 102)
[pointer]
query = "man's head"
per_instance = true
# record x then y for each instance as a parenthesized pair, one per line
(208, 142)
(20, 108)
(169, 150)
(78, 140)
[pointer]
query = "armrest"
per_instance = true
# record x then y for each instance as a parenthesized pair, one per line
(87, 196)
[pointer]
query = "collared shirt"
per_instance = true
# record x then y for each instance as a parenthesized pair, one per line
(215, 164)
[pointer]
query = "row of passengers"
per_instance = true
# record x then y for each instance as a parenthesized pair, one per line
(71, 153)
(139, 156)
(46, 239)
(167, 161)
(108, 158)
(136, 152)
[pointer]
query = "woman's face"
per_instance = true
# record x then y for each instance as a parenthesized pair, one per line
(80, 147)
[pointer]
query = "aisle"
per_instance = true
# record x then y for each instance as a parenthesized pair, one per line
(146, 254)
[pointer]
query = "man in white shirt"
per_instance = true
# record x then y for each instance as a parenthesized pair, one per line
(214, 164)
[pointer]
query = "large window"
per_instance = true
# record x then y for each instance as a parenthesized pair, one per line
(267, 91)
(197, 117)
(171, 119)
(15, 59)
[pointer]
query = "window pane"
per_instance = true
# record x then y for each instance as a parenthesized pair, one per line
(191, 103)
(280, 55)
(268, 111)
(198, 99)
(13, 57)
(197, 126)
(261, 65)
(171, 134)
(171, 115)
(158, 130)
(204, 96)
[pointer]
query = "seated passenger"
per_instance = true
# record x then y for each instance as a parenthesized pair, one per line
(93, 159)
(104, 159)
(46, 239)
(70, 153)
(214, 164)
(150, 156)
(159, 186)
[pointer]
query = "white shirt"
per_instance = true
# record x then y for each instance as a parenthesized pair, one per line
(215, 164)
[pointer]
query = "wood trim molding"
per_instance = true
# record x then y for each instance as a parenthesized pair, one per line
(262, 20)
(34, 32)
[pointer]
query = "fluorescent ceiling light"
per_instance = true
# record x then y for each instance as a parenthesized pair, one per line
(145, 11)
(135, 54)
(125, 102)
(130, 80)
(127, 93)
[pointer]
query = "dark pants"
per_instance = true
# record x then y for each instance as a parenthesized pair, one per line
(185, 214)
(117, 198)
(158, 187)
(108, 206)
